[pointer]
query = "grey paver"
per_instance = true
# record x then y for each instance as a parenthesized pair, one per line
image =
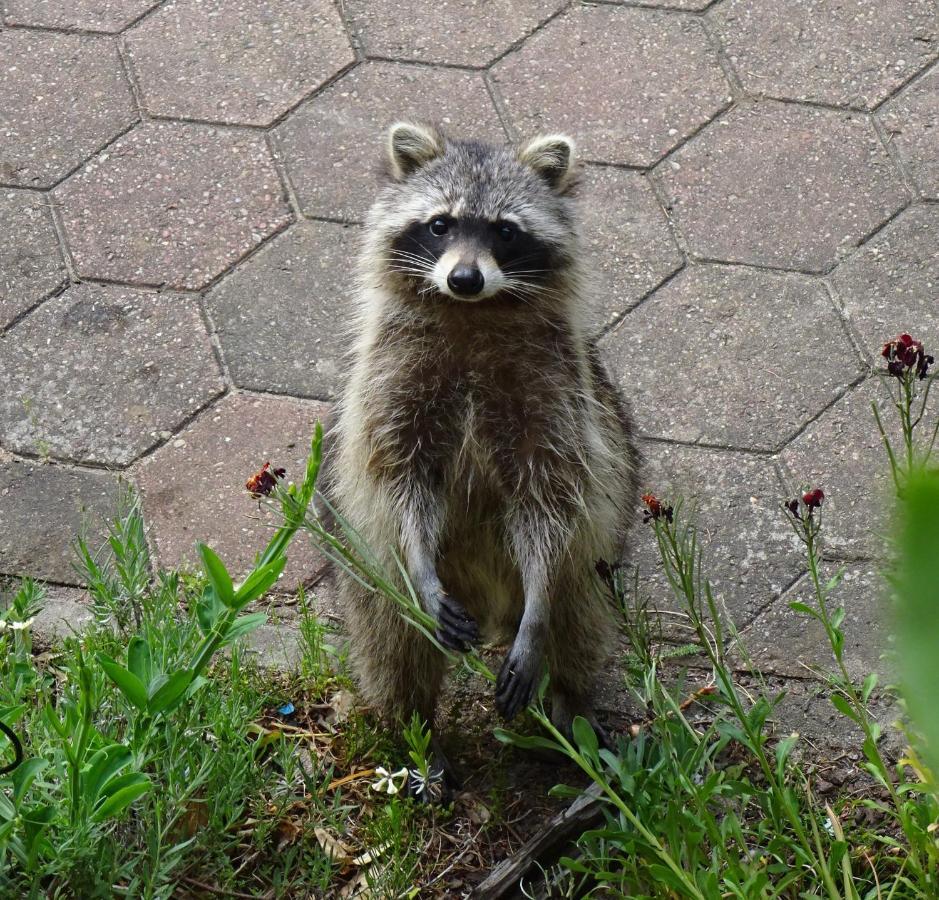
(720, 355)
(333, 143)
(62, 97)
(171, 204)
(824, 733)
(843, 52)
(31, 266)
(91, 15)
(65, 611)
(99, 372)
(280, 316)
(750, 553)
(819, 184)
(469, 34)
(690, 5)
(842, 453)
(911, 120)
(628, 239)
(891, 284)
(236, 60)
(43, 508)
(630, 83)
(785, 642)
(194, 486)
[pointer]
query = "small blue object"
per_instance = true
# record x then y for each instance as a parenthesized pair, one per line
(287, 709)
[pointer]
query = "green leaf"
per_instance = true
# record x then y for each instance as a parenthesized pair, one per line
(139, 659)
(128, 683)
(171, 693)
(243, 625)
(585, 737)
(106, 763)
(136, 785)
(837, 617)
(208, 610)
(260, 580)
(783, 750)
(803, 608)
(24, 775)
(218, 575)
(845, 708)
(868, 687)
(525, 741)
(917, 590)
(835, 580)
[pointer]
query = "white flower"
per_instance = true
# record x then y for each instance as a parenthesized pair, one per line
(386, 780)
(20, 626)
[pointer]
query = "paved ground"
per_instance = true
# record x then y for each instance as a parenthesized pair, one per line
(181, 190)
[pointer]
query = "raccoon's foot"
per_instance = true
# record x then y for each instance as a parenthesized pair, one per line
(437, 789)
(563, 712)
(518, 679)
(456, 628)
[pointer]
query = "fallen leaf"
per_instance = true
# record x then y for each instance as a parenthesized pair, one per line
(335, 849)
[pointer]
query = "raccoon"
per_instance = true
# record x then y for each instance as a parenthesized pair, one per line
(479, 439)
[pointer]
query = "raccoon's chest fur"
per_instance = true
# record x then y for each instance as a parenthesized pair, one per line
(482, 415)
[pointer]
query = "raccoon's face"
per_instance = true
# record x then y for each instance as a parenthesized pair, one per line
(469, 222)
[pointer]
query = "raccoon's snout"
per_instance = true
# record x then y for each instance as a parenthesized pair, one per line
(466, 281)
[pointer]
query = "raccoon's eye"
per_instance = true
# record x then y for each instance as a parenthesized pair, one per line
(507, 231)
(439, 227)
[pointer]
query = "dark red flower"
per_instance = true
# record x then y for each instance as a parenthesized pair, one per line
(262, 482)
(793, 507)
(655, 509)
(903, 354)
(813, 498)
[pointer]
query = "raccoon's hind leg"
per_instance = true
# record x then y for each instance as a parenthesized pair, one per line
(581, 636)
(399, 671)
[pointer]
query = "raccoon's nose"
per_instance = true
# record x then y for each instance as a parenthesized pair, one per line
(466, 280)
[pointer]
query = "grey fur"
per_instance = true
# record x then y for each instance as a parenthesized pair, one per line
(480, 440)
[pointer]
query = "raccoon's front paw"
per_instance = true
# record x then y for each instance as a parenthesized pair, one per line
(518, 679)
(456, 628)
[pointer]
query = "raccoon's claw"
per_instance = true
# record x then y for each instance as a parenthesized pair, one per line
(516, 684)
(456, 628)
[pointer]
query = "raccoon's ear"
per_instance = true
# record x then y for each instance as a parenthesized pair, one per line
(552, 157)
(411, 146)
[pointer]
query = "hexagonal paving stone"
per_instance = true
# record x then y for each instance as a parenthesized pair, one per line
(99, 372)
(784, 642)
(469, 34)
(628, 83)
(236, 60)
(719, 356)
(279, 316)
(65, 611)
(194, 487)
(912, 123)
(43, 509)
(820, 183)
(90, 15)
(62, 98)
(844, 52)
(628, 239)
(333, 143)
(31, 266)
(891, 284)
(750, 552)
(172, 204)
(842, 453)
